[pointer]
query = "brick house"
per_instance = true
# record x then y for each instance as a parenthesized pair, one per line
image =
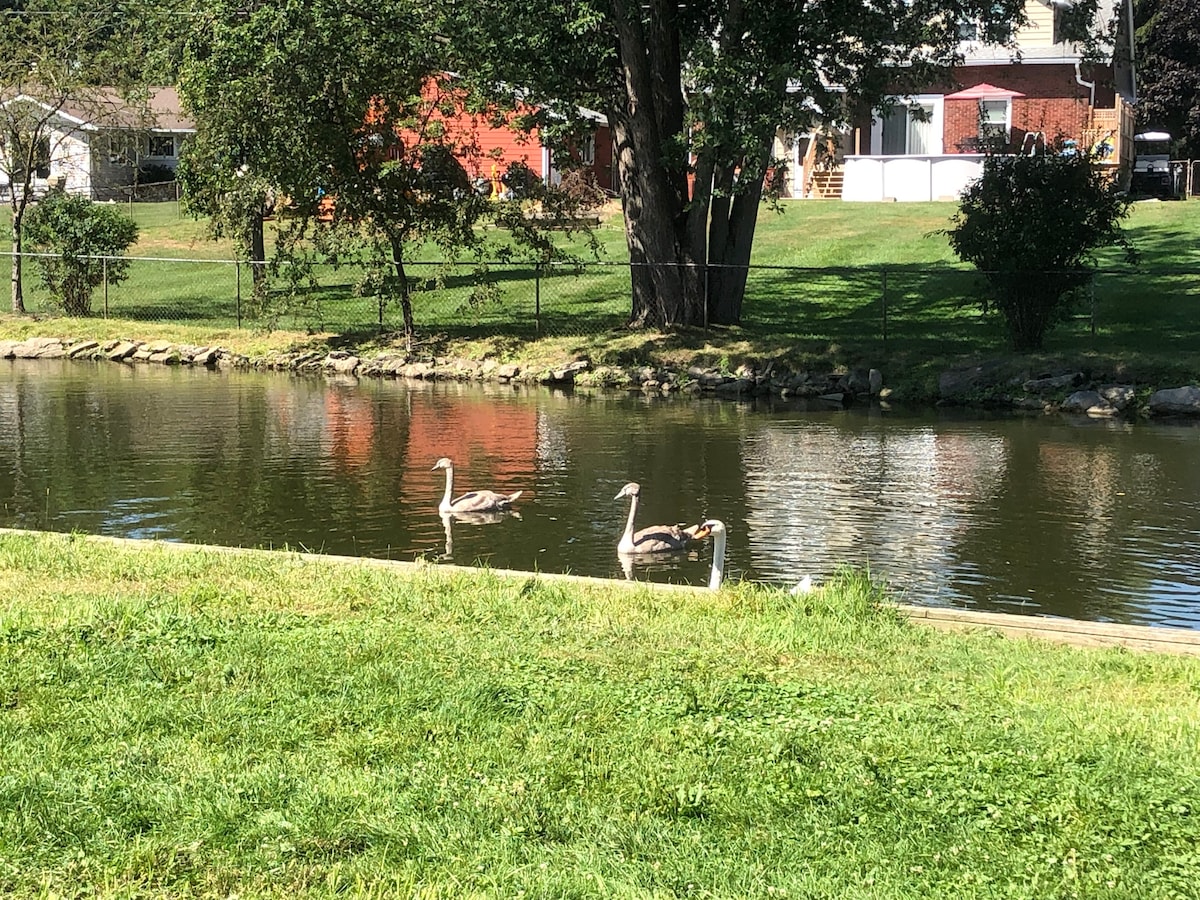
(931, 143)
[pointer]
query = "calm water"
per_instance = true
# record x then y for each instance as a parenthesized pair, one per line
(1087, 519)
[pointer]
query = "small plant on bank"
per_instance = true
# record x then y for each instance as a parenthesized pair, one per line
(84, 242)
(1031, 225)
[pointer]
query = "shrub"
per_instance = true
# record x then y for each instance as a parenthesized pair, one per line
(1031, 225)
(85, 240)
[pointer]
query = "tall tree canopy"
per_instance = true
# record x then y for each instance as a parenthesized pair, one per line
(695, 93)
(1168, 68)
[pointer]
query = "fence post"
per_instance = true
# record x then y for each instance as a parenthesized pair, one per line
(237, 265)
(883, 301)
(705, 276)
(537, 297)
(381, 303)
(104, 273)
(1092, 297)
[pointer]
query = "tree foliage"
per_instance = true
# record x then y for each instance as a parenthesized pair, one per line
(695, 94)
(1031, 225)
(1168, 68)
(334, 115)
(54, 53)
(84, 243)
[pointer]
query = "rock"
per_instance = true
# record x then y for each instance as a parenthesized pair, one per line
(1089, 402)
(342, 364)
(874, 382)
(206, 356)
(1052, 383)
(166, 357)
(39, 348)
(83, 348)
(1180, 401)
(158, 346)
(1118, 395)
(8, 349)
(735, 387)
(121, 350)
(508, 372)
(835, 397)
(1033, 404)
(856, 381)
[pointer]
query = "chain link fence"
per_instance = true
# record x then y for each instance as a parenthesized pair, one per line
(934, 307)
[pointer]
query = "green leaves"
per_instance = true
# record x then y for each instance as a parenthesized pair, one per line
(86, 240)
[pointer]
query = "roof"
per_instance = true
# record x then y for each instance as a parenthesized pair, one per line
(106, 108)
(984, 91)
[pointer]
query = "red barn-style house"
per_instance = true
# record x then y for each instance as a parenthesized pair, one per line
(487, 142)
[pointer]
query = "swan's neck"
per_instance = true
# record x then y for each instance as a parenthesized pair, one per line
(633, 505)
(718, 564)
(449, 487)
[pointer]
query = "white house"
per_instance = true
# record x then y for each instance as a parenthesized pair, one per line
(100, 146)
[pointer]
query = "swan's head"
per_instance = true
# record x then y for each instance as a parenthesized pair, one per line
(710, 526)
(632, 489)
(443, 463)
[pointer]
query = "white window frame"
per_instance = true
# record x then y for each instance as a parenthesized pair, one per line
(936, 101)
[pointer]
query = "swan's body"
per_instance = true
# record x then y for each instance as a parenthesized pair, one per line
(805, 586)
(654, 538)
(716, 528)
(473, 502)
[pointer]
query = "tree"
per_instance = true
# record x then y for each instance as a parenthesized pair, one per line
(695, 93)
(54, 53)
(1168, 68)
(83, 242)
(1032, 224)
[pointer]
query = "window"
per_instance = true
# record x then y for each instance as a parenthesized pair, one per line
(908, 130)
(162, 145)
(993, 125)
(19, 144)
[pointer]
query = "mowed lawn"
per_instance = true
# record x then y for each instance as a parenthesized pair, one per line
(199, 723)
(834, 284)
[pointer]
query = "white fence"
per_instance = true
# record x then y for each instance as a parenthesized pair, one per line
(910, 178)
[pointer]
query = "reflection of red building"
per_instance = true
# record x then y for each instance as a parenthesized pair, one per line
(488, 440)
(350, 428)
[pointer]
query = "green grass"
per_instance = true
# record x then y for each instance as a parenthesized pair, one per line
(819, 298)
(209, 724)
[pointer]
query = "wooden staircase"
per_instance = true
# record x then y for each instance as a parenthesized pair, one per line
(826, 185)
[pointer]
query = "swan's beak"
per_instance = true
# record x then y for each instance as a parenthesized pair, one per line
(620, 495)
(701, 532)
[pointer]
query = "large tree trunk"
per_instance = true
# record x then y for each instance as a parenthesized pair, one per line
(18, 296)
(731, 238)
(667, 282)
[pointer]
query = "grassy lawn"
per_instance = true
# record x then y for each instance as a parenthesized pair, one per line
(209, 724)
(835, 285)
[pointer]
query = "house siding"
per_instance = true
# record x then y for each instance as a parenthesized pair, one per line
(1055, 104)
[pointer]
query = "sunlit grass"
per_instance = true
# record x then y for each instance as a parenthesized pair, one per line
(839, 285)
(207, 723)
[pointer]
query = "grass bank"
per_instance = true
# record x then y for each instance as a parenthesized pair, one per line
(835, 286)
(201, 723)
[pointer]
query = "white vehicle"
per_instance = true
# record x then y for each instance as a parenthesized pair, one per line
(1152, 174)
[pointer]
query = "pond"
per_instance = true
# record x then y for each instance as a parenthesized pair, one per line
(1089, 519)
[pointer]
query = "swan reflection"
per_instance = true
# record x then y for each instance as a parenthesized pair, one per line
(491, 517)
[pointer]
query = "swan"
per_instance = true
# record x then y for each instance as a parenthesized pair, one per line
(655, 538)
(473, 502)
(716, 528)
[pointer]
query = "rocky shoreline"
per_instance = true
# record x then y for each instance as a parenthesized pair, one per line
(986, 384)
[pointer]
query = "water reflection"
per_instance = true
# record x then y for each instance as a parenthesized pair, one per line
(1088, 519)
(449, 520)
